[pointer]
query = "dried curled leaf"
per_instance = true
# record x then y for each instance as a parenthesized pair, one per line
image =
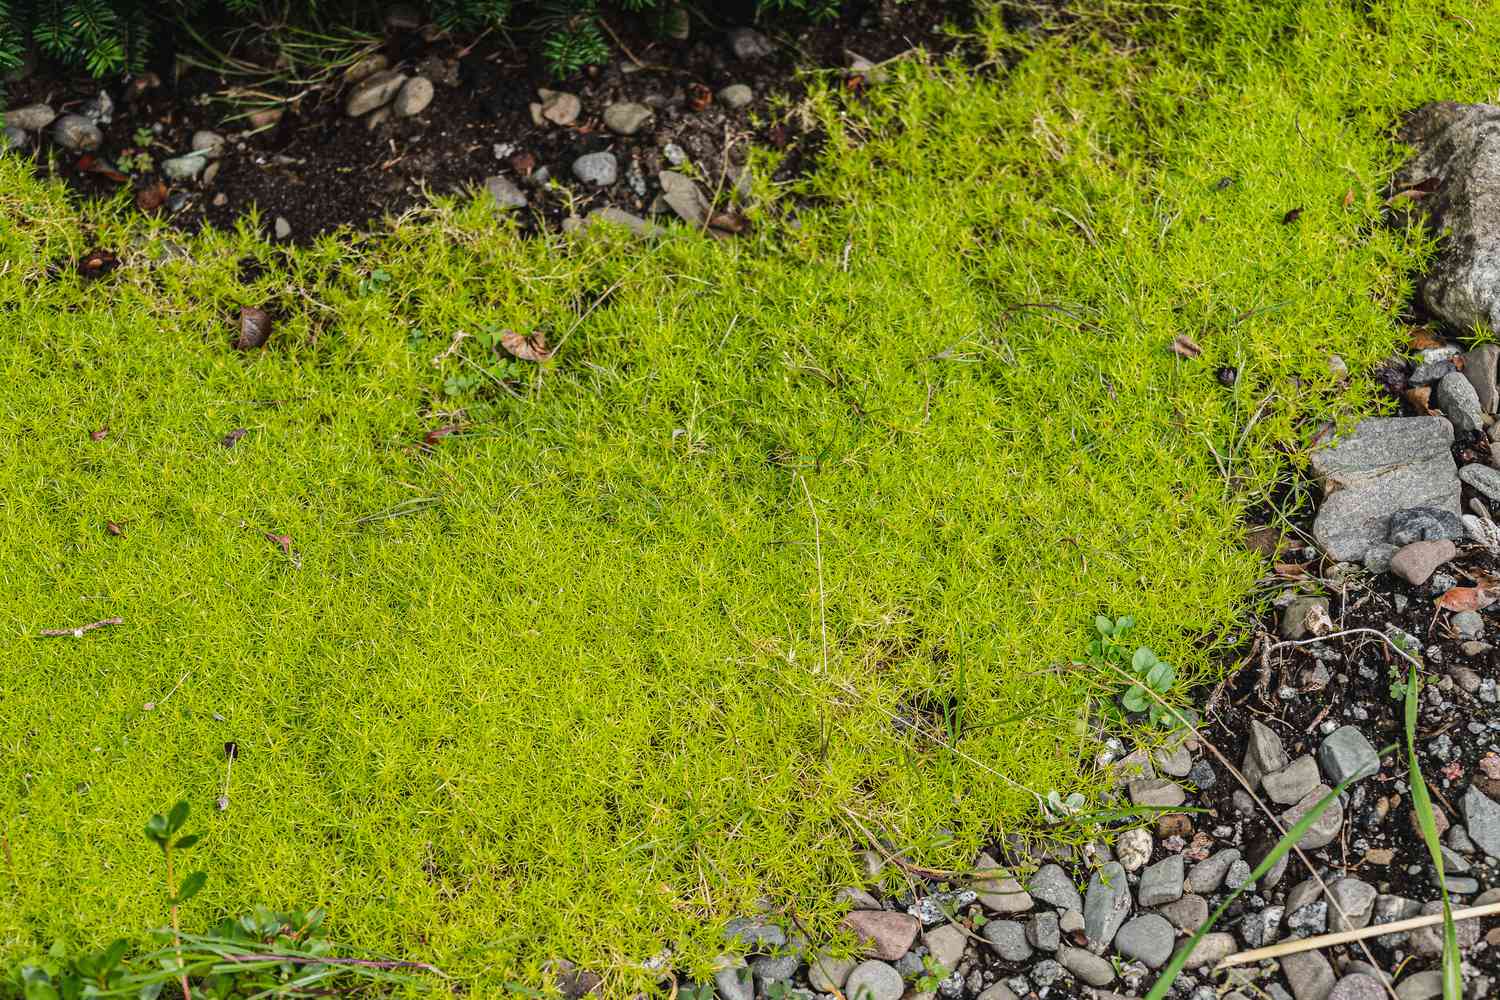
(1184, 346)
(531, 347)
(255, 328)
(1420, 399)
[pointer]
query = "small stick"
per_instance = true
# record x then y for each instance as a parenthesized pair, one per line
(77, 633)
(1359, 934)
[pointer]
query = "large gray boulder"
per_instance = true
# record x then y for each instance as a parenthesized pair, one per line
(1458, 167)
(1385, 465)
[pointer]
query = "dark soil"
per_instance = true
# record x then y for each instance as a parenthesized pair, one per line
(319, 169)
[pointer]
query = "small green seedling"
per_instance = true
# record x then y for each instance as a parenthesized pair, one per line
(1148, 673)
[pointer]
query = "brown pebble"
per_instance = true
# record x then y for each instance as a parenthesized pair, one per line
(1174, 825)
(1415, 563)
(1380, 856)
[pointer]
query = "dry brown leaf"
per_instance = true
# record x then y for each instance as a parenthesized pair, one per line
(532, 347)
(1291, 216)
(699, 96)
(1184, 347)
(114, 528)
(1421, 339)
(255, 328)
(1349, 198)
(1292, 571)
(97, 263)
(1420, 399)
(438, 433)
(1467, 598)
(1264, 541)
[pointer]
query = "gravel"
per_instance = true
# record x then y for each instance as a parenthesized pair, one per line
(1263, 753)
(1148, 938)
(736, 96)
(1482, 820)
(1086, 966)
(1000, 893)
(599, 169)
(1043, 931)
(1456, 397)
(874, 981)
(1162, 793)
(755, 933)
(748, 44)
(1483, 478)
(946, 945)
(1346, 753)
(1357, 986)
(1162, 882)
(1415, 563)
(1207, 875)
(1008, 938)
(1289, 784)
(505, 192)
(373, 92)
(1353, 904)
(827, 974)
(1186, 914)
(1105, 905)
(628, 118)
(1054, 886)
(413, 97)
(1133, 848)
(184, 168)
(886, 935)
(1310, 975)
(32, 117)
(76, 133)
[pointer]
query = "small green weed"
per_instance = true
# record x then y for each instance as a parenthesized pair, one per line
(1146, 671)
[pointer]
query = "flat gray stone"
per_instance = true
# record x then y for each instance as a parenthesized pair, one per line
(209, 143)
(1423, 524)
(1212, 948)
(1482, 821)
(736, 96)
(1207, 875)
(1428, 941)
(413, 97)
(1353, 904)
(77, 133)
(1378, 557)
(374, 91)
(1458, 145)
(827, 974)
(1159, 792)
(735, 982)
(755, 933)
(1186, 914)
(1263, 753)
(1054, 886)
(1479, 369)
(946, 945)
(599, 169)
(1086, 966)
(1425, 985)
(1148, 938)
(1346, 753)
(684, 197)
(557, 106)
(1357, 986)
(1483, 478)
(747, 43)
(1175, 761)
(1429, 372)
(626, 117)
(505, 192)
(1289, 784)
(1262, 927)
(770, 969)
(1308, 974)
(1326, 828)
(1383, 465)
(1161, 883)
(1455, 396)
(1106, 904)
(1000, 892)
(1008, 938)
(1044, 931)
(999, 991)
(874, 981)
(184, 168)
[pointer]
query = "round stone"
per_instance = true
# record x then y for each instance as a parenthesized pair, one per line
(736, 96)
(874, 980)
(1148, 938)
(626, 117)
(413, 97)
(209, 144)
(598, 169)
(182, 168)
(77, 133)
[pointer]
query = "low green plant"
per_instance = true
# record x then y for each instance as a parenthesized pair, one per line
(1146, 671)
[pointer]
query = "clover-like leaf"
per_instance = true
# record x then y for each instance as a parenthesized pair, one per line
(1135, 699)
(1143, 660)
(190, 887)
(1159, 678)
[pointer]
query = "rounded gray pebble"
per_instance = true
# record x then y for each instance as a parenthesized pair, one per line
(598, 169)
(77, 133)
(874, 980)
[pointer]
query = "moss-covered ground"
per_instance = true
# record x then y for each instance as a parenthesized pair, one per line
(627, 650)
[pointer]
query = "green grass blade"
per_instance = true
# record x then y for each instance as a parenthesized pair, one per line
(1453, 983)
(1285, 844)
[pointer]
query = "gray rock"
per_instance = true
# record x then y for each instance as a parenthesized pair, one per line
(1424, 985)
(1325, 829)
(1070, 922)
(1008, 938)
(76, 133)
(1422, 524)
(1211, 950)
(1238, 876)
(1148, 938)
(770, 969)
(1133, 849)
(1300, 614)
(505, 192)
(684, 197)
(747, 43)
(1482, 820)
(736, 96)
(1307, 919)
(14, 137)
(1378, 557)
(1289, 784)
(626, 117)
(1429, 372)
(1186, 914)
(599, 169)
(1053, 886)
(999, 991)
(208, 144)
(1262, 927)
(1357, 986)
(885, 934)
(1483, 478)
(1479, 369)
(1428, 941)
(1459, 145)
(1174, 761)
(373, 92)
(1469, 625)
(755, 933)
(184, 168)
(1353, 904)
(1345, 753)
(1207, 875)
(281, 228)
(1159, 792)
(1000, 892)
(1106, 904)
(1389, 909)
(874, 981)
(1455, 396)
(1415, 563)
(946, 945)
(99, 109)
(1203, 775)
(735, 982)
(1384, 465)
(557, 106)
(413, 97)
(31, 117)
(1162, 882)
(827, 974)
(1086, 966)
(1044, 931)
(1263, 753)
(1044, 974)
(1308, 974)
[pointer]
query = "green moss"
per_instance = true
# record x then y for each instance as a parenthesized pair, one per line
(557, 685)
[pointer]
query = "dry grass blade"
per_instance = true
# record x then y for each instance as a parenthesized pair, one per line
(1357, 934)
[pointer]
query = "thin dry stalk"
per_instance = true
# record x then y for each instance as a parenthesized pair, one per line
(1358, 934)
